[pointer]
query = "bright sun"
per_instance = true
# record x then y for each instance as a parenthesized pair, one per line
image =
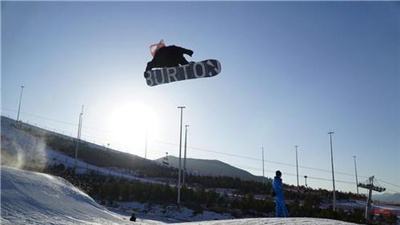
(130, 124)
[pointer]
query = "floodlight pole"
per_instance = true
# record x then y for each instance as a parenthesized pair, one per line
(333, 172)
(305, 179)
(78, 136)
(145, 147)
(355, 168)
(297, 168)
(180, 155)
(263, 178)
(20, 100)
(184, 157)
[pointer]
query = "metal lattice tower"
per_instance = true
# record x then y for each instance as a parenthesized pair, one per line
(369, 184)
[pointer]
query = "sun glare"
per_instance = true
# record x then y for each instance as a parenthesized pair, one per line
(130, 124)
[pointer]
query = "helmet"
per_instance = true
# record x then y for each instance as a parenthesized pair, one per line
(154, 48)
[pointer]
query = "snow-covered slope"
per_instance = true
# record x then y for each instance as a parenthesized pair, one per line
(274, 221)
(36, 198)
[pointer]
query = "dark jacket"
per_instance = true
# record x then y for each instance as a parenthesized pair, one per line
(169, 56)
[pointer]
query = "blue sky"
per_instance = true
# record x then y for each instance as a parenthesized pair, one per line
(291, 72)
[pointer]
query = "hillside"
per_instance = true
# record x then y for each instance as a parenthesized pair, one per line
(27, 141)
(23, 143)
(206, 167)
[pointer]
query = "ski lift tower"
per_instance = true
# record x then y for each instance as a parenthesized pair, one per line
(369, 184)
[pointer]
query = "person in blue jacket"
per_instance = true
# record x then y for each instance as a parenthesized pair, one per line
(277, 189)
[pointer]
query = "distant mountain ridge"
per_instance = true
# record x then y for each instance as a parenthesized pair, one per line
(206, 167)
(387, 198)
(21, 141)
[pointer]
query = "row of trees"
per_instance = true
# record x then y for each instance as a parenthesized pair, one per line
(199, 199)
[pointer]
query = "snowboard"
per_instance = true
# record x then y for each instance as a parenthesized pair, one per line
(202, 69)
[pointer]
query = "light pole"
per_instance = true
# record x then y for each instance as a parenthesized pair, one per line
(333, 172)
(108, 149)
(78, 136)
(180, 155)
(184, 157)
(305, 179)
(20, 100)
(355, 168)
(297, 168)
(145, 147)
(262, 151)
(165, 160)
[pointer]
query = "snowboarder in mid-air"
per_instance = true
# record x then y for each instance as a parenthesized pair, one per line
(167, 56)
(277, 191)
(170, 65)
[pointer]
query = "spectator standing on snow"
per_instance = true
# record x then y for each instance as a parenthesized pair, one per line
(277, 192)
